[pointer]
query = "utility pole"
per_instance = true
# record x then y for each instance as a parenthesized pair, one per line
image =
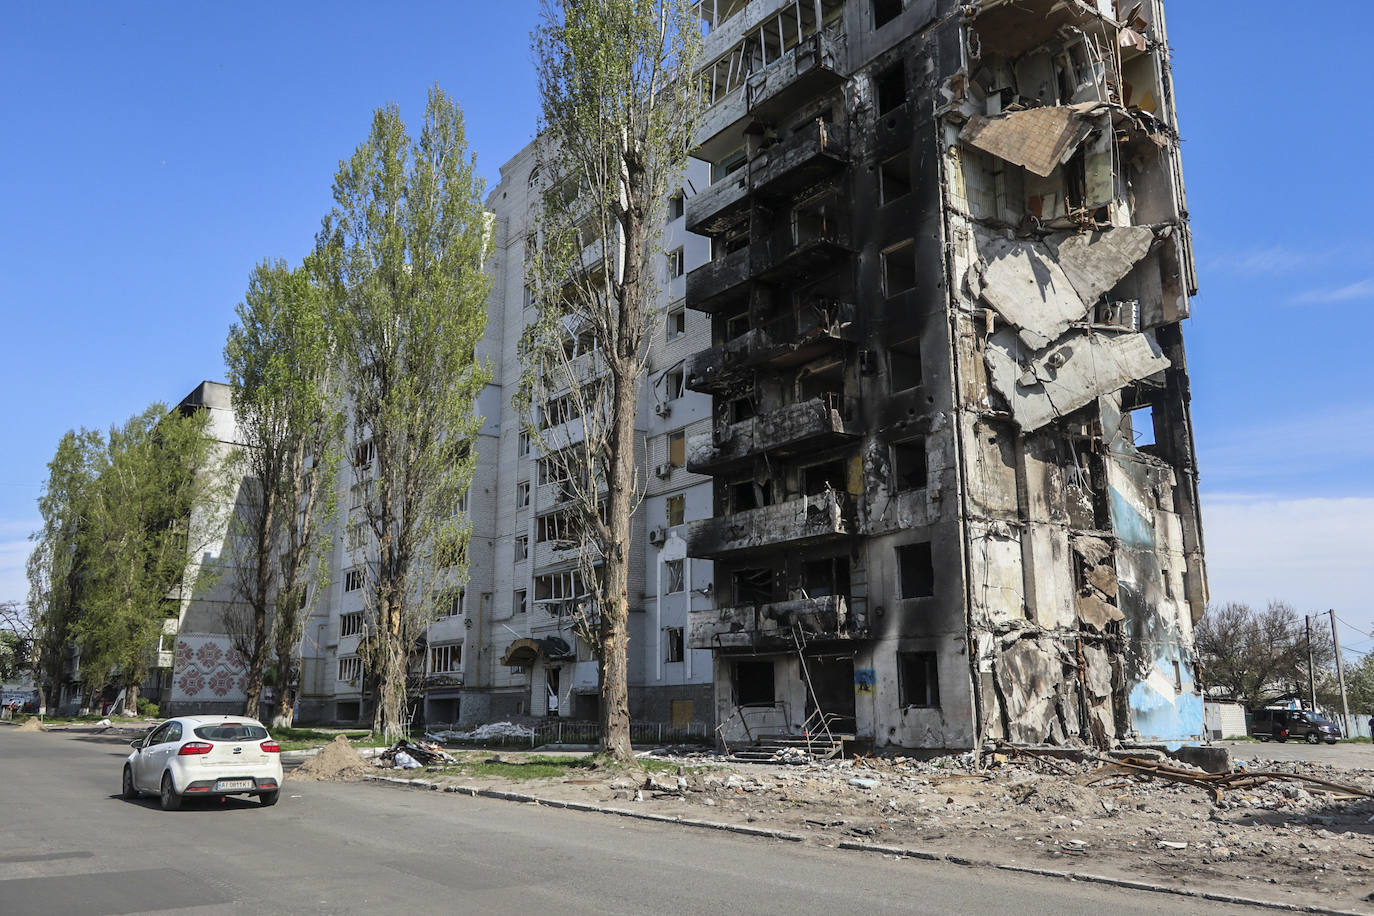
(1340, 674)
(1311, 667)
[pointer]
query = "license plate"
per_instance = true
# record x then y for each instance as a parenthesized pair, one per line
(227, 785)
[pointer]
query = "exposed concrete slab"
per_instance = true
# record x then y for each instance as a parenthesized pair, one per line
(1022, 281)
(1095, 262)
(1039, 140)
(1077, 370)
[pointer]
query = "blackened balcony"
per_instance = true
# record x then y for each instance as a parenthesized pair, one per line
(720, 205)
(801, 522)
(808, 155)
(812, 68)
(792, 338)
(808, 249)
(812, 425)
(752, 626)
(719, 282)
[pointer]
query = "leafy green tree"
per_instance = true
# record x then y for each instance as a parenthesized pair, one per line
(148, 511)
(55, 565)
(281, 367)
(619, 102)
(403, 250)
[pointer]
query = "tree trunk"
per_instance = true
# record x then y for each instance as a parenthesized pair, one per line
(615, 637)
(131, 698)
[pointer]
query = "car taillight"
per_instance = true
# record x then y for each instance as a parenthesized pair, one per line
(1284, 732)
(270, 747)
(192, 748)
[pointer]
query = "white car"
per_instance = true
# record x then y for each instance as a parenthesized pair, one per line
(204, 755)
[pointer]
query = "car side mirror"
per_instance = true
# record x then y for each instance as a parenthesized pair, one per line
(137, 743)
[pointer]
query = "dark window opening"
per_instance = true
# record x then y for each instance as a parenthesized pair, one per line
(673, 643)
(890, 88)
(884, 11)
(814, 219)
(754, 684)
(1143, 426)
(909, 464)
(899, 268)
(826, 577)
(750, 494)
(894, 178)
(823, 380)
(904, 366)
(753, 586)
(737, 324)
(676, 206)
(741, 409)
(918, 679)
(916, 570)
(832, 475)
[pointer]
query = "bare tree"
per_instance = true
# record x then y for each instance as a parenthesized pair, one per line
(619, 106)
(1260, 655)
(404, 249)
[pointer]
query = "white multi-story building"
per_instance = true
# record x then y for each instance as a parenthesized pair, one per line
(505, 645)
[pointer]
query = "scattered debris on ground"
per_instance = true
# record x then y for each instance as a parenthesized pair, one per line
(31, 725)
(337, 761)
(412, 755)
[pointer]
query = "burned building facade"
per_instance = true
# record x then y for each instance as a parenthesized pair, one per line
(951, 450)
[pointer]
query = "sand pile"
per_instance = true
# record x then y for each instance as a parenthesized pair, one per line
(335, 762)
(31, 725)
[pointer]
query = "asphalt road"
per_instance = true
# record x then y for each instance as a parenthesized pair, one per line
(70, 845)
(1352, 754)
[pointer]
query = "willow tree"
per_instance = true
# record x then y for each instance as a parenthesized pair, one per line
(280, 366)
(152, 507)
(619, 105)
(404, 250)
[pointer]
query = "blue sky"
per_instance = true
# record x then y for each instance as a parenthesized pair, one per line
(154, 152)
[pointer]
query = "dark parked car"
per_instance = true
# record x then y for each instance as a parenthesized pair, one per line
(1298, 724)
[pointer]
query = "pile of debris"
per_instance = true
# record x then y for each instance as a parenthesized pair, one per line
(337, 761)
(412, 755)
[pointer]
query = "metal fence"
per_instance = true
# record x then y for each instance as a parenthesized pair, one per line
(565, 731)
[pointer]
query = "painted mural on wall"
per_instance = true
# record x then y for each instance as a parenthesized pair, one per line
(206, 669)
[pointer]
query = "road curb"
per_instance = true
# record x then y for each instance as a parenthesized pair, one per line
(849, 845)
(475, 792)
(1088, 878)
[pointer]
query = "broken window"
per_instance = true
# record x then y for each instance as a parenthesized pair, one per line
(676, 205)
(673, 644)
(350, 668)
(889, 88)
(829, 576)
(677, 449)
(754, 684)
(673, 383)
(677, 322)
(522, 494)
(453, 607)
(523, 444)
(522, 548)
(918, 679)
(676, 264)
(899, 268)
(731, 163)
(909, 464)
(445, 658)
(353, 580)
(894, 178)
(814, 219)
(518, 603)
(753, 586)
(832, 475)
(350, 624)
(1143, 426)
(675, 509)
(363, 453)
(737, 324)
(741, 409)
(750, 494)
(916, 570)
(672, 576)
(884, 11)
(904, 365)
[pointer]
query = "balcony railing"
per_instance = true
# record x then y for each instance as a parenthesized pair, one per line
(719, 282)
(748, 626)
(814, 424)
(789, 339)
(797, 522)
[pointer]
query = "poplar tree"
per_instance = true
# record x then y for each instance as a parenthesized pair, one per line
(280, 365)
(404, 249)
(619, 104)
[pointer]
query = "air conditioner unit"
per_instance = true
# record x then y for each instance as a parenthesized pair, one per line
(663, 470)
(663, 408)
(657, 536)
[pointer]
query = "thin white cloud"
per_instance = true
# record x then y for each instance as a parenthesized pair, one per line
(1237, 458)
(1313, 553)
(1360, 291)
(1270, 260)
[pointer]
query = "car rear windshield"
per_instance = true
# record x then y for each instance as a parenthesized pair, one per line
(231, 731)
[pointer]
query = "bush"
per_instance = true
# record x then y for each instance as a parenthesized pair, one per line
(147, 708)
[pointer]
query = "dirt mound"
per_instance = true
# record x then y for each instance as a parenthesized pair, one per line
(31, 725)
(336, 761)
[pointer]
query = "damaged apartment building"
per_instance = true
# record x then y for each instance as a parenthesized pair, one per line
(955, 491)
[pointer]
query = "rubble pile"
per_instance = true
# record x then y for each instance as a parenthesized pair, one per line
(488, 732)
(31, 725)
(412, 755)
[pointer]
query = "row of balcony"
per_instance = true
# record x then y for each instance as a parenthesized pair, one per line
(801, 522)
(748, 626)
(792, 253)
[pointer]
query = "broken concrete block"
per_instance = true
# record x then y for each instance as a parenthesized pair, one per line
(1103, 578)
(1039, 139)
(1095, 262)
(1097, 613)
(1021, 280)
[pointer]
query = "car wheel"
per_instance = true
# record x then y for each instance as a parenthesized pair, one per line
(269, 799)
(1263, 739)
(170, 799)
(1314, 738)
(1280, 739)
(1330, 740)
(130, 792)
